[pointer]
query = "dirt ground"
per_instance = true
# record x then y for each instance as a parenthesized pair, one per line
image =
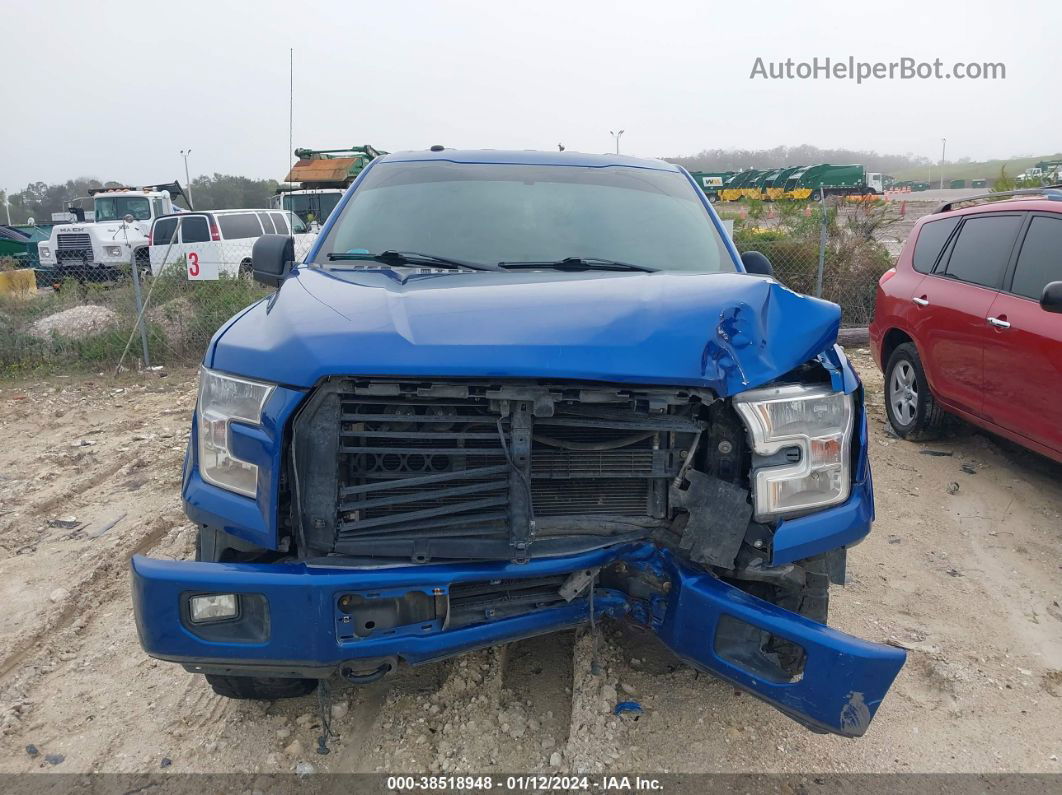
(963, 569)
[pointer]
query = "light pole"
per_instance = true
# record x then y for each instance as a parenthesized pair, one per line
(943, 148)
(616, 136)
(187, 180)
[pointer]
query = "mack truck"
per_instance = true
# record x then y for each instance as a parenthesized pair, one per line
(100, 250)
(317, 181)
(514, 393)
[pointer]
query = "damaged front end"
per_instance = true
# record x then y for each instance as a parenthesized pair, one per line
(422, 518)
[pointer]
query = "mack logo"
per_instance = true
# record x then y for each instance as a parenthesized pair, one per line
(76, 229)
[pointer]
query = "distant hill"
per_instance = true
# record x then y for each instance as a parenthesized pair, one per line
(987, 169)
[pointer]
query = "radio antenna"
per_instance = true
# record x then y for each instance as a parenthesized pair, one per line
(291, 127)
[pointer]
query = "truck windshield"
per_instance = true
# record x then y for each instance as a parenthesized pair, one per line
(115, 208)
(312, 206)
(489, 213)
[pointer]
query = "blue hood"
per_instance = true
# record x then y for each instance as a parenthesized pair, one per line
(727, 331)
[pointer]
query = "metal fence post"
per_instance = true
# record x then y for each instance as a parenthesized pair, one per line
(822, 245)
(139, 302)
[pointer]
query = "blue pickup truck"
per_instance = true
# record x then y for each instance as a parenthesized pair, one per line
(506, 393)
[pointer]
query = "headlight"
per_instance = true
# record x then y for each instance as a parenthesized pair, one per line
(224, 399)
(816, 421)
(112, 251)
(44, 251)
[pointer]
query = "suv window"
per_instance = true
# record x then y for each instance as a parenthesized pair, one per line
(267, 224)
(195, 230)
(1040, 260)
(930, 242)
(282, 219)
(163, 231)
(239, 225)
(983, 249)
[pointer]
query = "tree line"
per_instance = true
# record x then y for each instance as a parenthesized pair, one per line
(39, 200)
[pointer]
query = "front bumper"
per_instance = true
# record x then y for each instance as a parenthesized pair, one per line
(88, 271)
(713, 626)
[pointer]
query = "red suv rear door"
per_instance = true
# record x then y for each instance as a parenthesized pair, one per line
(953, 329)
(1023, 353)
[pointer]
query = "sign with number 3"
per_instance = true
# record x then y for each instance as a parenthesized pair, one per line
(198, 270)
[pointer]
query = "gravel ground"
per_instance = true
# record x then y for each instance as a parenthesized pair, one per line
(962, 569)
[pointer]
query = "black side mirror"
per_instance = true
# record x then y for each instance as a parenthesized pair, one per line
(272, 258)
(1051, 299)
(755, 262)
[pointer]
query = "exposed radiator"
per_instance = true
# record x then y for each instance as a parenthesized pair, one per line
(479, 470)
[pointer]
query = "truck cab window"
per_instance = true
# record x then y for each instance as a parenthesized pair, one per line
(115, 208)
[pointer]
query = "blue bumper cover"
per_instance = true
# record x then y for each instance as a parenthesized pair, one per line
(696, 614)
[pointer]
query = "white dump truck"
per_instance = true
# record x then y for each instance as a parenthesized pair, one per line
(100, 250)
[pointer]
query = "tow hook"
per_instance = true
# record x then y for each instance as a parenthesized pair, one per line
(386, 667)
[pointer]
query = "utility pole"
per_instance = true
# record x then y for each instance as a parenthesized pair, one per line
(616, 136)
(7, 206)
(943, 148)
(187, 180)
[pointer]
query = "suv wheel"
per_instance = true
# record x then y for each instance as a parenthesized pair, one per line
(909, 403)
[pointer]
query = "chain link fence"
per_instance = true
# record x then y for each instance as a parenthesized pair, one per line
(163, 303)
(836, 248)
(158, 309)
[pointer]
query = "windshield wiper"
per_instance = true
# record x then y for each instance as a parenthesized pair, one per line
(409, 258)
(579, 264)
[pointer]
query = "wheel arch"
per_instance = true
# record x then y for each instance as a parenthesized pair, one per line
(890, 341)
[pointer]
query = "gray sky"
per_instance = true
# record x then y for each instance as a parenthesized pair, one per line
(114, 90)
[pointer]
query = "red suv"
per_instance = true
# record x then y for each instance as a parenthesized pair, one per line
(969, 323)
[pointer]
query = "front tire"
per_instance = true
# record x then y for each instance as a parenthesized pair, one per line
(260, 688)
(909, 403)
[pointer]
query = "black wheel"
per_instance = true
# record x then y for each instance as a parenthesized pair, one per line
(260, 688)
(909, 403)
(246, 270)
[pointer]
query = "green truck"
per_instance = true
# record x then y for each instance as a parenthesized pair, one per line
(711, 182)
(792, 182)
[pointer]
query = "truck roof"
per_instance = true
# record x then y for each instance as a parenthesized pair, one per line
(528, 157)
